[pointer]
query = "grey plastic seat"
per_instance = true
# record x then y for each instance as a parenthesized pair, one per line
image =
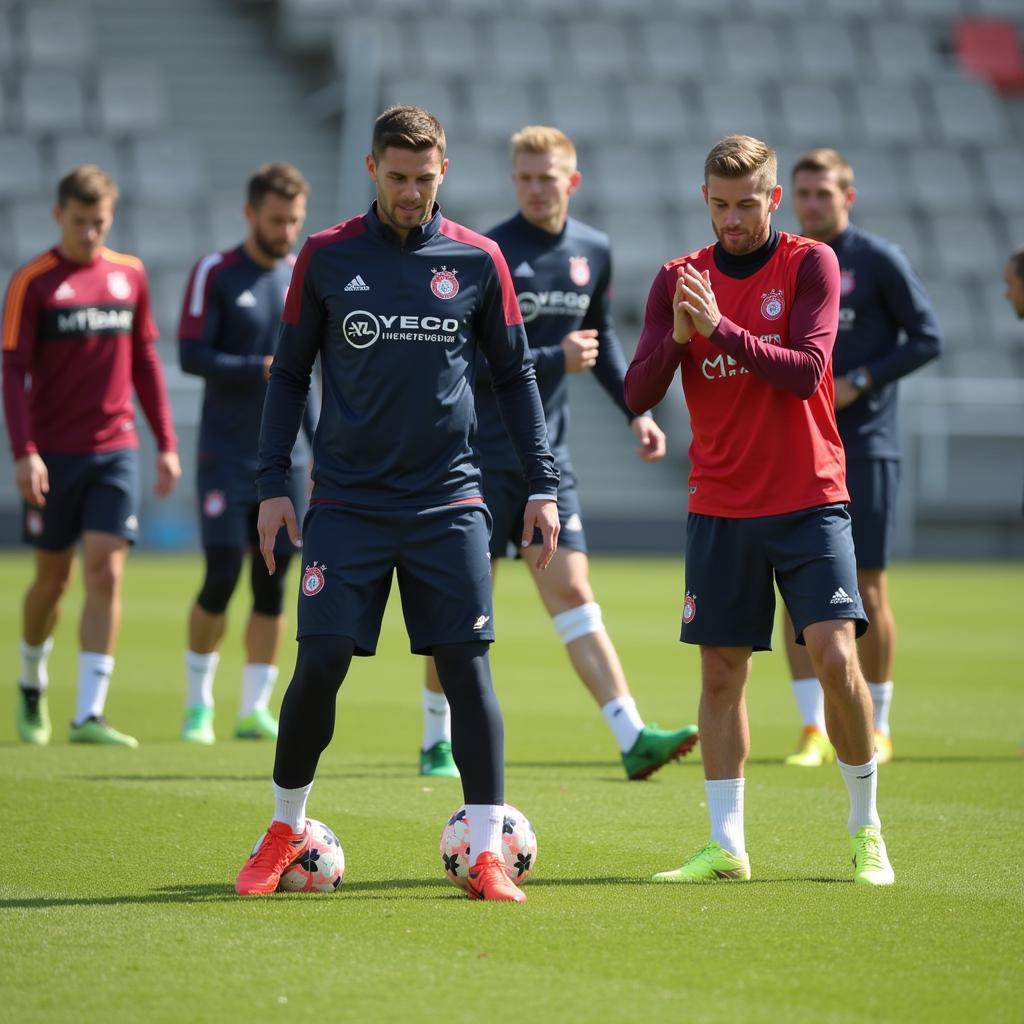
(960, 317)
(968, 245)
(969, 113)
(131, 100)
(522, 49)
(21, 168)
(165, 236)
(449, 51)
(58, 34)
(167, 169)
(655, 113)
(478, 175)
(676, 49)
(433, 93)
(601, 49)
(856, 8)
(1004, 177)
(812, 114)
(879, 177)
(942, 180)
(72, 150)
(825, 49)
(621, 175)
(32, 229)
(734, 108)
(903, 50)
(890, 113)
(52, 101)
(499, 108)
(750, 51)
(583, 110)
(900, 228)
(939, 9)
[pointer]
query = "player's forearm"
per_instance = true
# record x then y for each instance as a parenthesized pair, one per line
(148, 380)
(19, 430)
(650, 373)
(283, 410)
(548, 359)
(202, 360)
(523, 415)
(919, 349)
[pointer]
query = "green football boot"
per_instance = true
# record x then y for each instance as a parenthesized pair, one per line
(260, 725)
(438, 761)
(96, 729)
(711, 864)
(813, 751)
(198, 725)
(655, 747)
(33, 716)
(870, 861)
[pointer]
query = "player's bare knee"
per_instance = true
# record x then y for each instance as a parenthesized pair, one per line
(580, 620)
(723, 672)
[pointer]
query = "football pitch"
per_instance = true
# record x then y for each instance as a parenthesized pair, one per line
(116, 899)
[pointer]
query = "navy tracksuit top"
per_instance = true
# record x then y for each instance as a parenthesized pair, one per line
(400, 330)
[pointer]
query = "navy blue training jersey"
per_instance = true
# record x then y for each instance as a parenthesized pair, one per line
(880, 297)
(400, 330)
(229, 325)
(563, 283)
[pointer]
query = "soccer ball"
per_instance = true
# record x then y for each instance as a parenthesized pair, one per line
(321, 868)
(518, 846)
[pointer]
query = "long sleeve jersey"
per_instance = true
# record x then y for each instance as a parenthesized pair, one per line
(563, 284)
(400, 329)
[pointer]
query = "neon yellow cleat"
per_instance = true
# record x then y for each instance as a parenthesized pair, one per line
(870, 861)
(33, 716)
(198, 725)
(813, 751)
(711, 864)
(260, 725)
(96, 729)
(883, 748)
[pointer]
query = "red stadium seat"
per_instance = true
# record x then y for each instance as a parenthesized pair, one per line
(990, 48)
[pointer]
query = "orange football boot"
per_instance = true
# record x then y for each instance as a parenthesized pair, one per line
(488, 881)
(279, 849)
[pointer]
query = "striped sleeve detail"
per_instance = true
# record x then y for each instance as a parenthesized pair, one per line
(15, 301)
(509, 302)
(124, 258)
(197, 293)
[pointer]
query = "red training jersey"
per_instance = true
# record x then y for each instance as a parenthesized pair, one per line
(759, 390)
(76, 338)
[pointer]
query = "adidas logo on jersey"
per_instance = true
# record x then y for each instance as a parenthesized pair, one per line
(357, 284)
(523, 270)
(841, 597)
(65, 291)
(246, 299)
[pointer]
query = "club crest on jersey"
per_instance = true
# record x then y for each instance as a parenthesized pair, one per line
(214, 504)
(772, 304)
(579, 270)
(34, 522)
(118, 285)
(444, 284)
(689, 608)
(313, 579)
(847, 282)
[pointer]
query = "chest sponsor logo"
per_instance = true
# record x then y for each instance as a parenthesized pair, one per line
(847, 282)
(535, 304)
(773, 304)
(579, 270)
(313, 579)
(65, 291)
(118, 284)
(93, 320)
(723, 366)
(362, 328)
(444, 284)
(246, 300)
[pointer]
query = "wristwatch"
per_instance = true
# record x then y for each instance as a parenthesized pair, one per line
(859, 379)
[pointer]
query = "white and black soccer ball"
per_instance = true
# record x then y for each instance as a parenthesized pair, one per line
(320, 869)
(518, 846)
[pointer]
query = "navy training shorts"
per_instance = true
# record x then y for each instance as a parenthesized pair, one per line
(94, 491)
(873, 484)
(730, 563)
(506, 494)
(349, 555)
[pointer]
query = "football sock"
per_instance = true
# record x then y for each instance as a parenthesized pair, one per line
(810, 699)
(290, 806)
(94, 672)
(725, 806)
(478, 733)
(199, 672)
(485, 825)
(257, 687)
(437, 719)
(881, 697)
(34, 675)
(624, 721)
(862, 784)
(307, 711)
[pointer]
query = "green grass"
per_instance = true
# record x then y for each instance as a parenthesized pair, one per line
(116, 900)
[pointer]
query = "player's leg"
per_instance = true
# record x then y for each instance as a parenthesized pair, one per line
(206, 625)
(877, 649)
(814, 748)
(565, 590)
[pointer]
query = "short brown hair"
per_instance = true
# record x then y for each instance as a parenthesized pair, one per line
(88, 184)
(541, 139)
(736, 156)
(825, 159)
(280, 179)
(407, 128)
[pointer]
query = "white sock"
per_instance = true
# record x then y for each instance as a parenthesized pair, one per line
(290, 806)
(257, 687)
(862, 784)
(725, 806)
(437, 719)
(810, 699)
(94, 672)
(485, 823)
(33, 665)
(624, 721)
(881, 697)
(199, 672)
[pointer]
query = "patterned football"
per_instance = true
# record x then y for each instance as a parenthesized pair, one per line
(321, 868)
(518, 846)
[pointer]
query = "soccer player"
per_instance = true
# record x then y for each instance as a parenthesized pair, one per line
(229, 325)
(751, 321)
(77, 336)
(1013, 275)
(881, 299)
(562, 272)
(399, 303)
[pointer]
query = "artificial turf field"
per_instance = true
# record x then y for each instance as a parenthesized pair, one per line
(116, 900)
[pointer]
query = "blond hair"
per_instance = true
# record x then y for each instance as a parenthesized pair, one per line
(736, 156)
(88, 184)
(825, 159)
(543, 140)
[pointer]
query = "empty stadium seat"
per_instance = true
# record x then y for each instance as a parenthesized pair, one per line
(731, 107)
(165, 236)
(963, 320)
(619, 175)
(478, 175)
(21, 168)
(935, 9)
(903, 51)
(942, 180)
(1007, 329)
(433, 93)
(880, 178)
(32, 229)
(582, 109)
(825, 49)
(657, 112)
(966, 244)
(167, 169)
(71, 150)
(990, 48)
(857, 8)
(900, 228)
(1004, 176)
(499, 108)
(812, 114)
(52, 101)
(601, 50)
(890, 113)
(449, 51)
(676, 49)
(131, 100)
(522, 49)
(750, 50)
(968, 113)
(58, 34)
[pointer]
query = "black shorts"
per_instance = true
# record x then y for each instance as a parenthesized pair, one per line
(229, 505)
(873, 484)
(444, 574)
(98, 491)
(730, 600)
(506, 494)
